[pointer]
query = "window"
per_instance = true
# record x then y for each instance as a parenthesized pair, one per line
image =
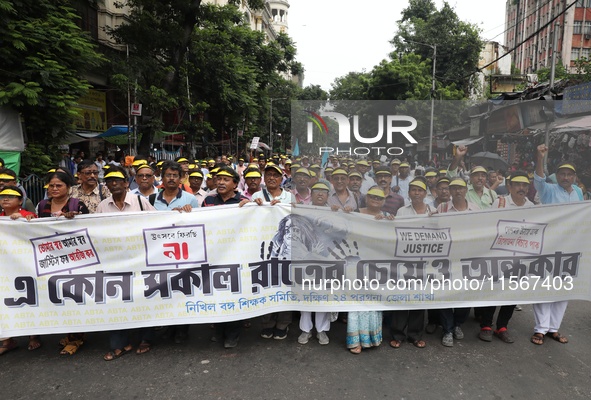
(585, 53)
(587, 30)
(574, 54)
(577, 27)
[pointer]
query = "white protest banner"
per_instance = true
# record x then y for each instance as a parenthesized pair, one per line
(117, 271)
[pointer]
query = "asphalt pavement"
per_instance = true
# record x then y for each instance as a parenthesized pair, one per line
(283, 369)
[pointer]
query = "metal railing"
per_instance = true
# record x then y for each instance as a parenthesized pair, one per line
(33, 186)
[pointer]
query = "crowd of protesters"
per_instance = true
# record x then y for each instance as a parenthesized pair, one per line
(382, 189)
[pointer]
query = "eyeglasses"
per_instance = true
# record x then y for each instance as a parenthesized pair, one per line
(111, 181)
(144, 176)
(7, 180)
(8, 197)
(376, 198)
(172, 176)
(89, 173)
(56, 186)
(339, 178)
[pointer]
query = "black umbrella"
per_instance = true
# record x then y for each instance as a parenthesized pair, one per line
(490, 160)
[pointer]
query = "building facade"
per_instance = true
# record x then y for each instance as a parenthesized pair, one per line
(528, 29)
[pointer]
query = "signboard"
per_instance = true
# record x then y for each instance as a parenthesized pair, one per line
(255, 142)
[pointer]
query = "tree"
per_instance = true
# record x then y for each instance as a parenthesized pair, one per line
(44, 56)
(458, 42)
(227, 68)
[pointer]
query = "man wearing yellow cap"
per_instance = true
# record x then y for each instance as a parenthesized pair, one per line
(196, 181)
(431, 177)
(145, 180)
(400, 183)
(411, 321)
(363, 167)
(477, 192)
(341, 198)
(173, 197)
(122, 200)
(227, 193)
(518, 185)
(393, 200)
(549, 315)
(302, 186)
(252, 182)
(458, 201)
(452, 319)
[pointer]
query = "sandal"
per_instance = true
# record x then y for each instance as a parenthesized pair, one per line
(419, 344)
(395, 344)
(356, 350)
(34, 342)
(112, 355)
(558, 337)
(71, 348)
(143, 348)
(8, 345)
(537, 338)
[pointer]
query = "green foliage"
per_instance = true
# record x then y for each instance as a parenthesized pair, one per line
(37, 159)
(229, 69)
(458, 43)
(44, 54)
(559, 73)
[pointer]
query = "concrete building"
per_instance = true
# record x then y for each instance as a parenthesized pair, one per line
(271, 20)
(496, 76)
(527, 28)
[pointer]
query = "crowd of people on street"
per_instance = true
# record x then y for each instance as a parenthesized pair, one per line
(383, 189)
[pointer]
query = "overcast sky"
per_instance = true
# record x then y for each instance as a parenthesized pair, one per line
(335, 37)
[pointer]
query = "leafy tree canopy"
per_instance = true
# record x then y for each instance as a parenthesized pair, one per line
(44, 56)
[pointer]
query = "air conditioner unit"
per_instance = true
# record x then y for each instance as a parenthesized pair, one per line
(587, 36)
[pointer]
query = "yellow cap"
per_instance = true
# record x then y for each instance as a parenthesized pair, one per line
(430, 174)
(458, 182)
(10, 192)
(419, 183)
(339, 171)
(138, 162)
(253, 174)
(196, 174)
(568, 166)
(225, 173)
(320, 186)
(522, 179)
(405, 165)
(355, 173)
(478, 169)
(363, 162)
(7, 177)
(303, 171)
(115, 174)
(376, 192)
(182, 160)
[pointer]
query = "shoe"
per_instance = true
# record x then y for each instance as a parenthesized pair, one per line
(431, 328)
(322, 338)
(280, 334)
(458, 333)
(304, 337)
(448, 340)
(504, 335)
(267, 333)
(485, 334)
(230, 343)
(518, 308)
